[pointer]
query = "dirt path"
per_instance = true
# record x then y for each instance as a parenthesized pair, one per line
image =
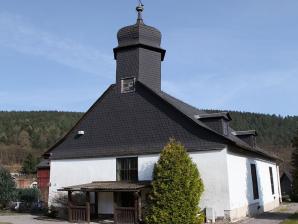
(32, 219)
(28, 219)
(273, 217)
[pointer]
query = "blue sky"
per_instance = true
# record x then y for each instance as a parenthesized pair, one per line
(228, 54)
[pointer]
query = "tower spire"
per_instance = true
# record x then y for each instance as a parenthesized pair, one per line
(140, 9)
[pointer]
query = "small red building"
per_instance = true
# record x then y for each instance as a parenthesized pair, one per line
(43, 179)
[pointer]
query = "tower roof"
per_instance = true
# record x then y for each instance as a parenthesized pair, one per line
(139, 34)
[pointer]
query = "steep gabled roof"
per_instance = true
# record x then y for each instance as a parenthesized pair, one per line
(192, 113)
(47, 154)
(145, 122)
(133, 124)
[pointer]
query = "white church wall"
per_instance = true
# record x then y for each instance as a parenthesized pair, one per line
(213, 169)
(226, 177)
(211, 164)
(81, 171)
(146, 166)
(242, 202)
(214, 173)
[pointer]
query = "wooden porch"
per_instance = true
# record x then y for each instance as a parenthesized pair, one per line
(129, 212)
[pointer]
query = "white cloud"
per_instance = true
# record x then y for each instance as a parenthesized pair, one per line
(25, 38)
(224, 91)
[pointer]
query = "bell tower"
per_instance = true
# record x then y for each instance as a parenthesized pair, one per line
(139, 54)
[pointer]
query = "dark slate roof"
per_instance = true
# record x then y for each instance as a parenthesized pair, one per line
(45, 163)
(132, 124)
(140, 35)
(140, 123)
(248, 132)
(224, 115)
(193, 112)
(107, 186)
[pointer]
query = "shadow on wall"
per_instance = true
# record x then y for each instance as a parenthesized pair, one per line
(254, 206)
(261, 191)
(276, 216)
(146, 170)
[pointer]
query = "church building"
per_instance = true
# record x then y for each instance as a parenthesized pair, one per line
(109, 155)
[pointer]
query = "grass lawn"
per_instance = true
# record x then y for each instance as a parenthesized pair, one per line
(293, 219)
(5, 223)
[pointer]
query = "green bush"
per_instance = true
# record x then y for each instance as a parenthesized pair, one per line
(28, 195)
(176, 190)
(7, 187)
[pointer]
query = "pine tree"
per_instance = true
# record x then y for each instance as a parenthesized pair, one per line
(176, 190)
(29, 164)
(295, 168)
(7, 187)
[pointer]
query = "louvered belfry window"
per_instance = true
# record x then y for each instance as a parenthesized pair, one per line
(127, 85)
(127, 169)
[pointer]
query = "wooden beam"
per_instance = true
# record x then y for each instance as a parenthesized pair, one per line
(140, 205)
(96, 204)
(69, 206)
(136, 206)
(88, 206)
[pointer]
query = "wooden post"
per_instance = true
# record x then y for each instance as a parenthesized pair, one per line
(115, 206)
(96, 204)
(88, 206)
(69, 206)
(140, 205)
(136, 197)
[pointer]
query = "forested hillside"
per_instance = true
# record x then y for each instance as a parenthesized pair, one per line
(24, 132)
(31, 132)
(275, 133)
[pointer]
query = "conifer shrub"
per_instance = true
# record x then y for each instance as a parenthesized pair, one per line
(176, 188)
(7, 187)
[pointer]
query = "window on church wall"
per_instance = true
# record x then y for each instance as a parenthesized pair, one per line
(254, 181)
(128, 85)
(271, 180)
(127, 169)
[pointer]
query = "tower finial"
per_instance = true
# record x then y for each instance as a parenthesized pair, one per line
(140, 9)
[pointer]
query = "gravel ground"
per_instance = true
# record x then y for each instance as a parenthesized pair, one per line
(272, 217)
(28, 219)
(33, 219)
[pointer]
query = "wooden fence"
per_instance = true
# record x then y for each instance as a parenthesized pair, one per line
(79, 213)
(124, 215)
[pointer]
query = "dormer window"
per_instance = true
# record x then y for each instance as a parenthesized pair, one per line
(128, 85)
(225, 128)
(250, 137)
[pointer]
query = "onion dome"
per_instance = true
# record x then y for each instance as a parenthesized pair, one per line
(139, 34)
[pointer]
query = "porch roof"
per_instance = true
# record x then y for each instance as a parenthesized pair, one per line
(109, 186)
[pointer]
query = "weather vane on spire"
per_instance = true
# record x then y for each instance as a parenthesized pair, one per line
(140, 3)
(140, 9)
